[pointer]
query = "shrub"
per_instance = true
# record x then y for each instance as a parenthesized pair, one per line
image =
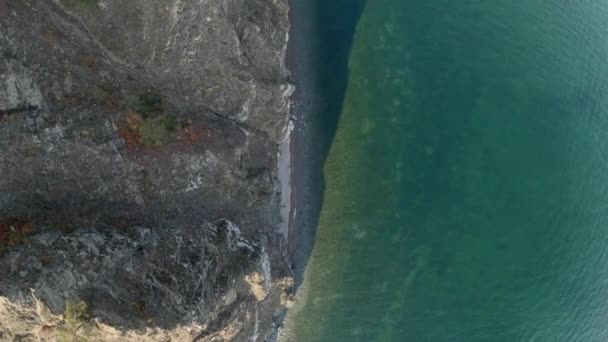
(102, 95)
(76, 325)
(149, 103)
(153, 132)
(170, 123)
(76, 311)
(145, 104)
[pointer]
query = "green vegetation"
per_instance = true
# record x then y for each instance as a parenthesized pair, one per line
(150, 102)
(102, 95)
(138, 306)
(76, 311)
(130, 102)
(145, 104)
(170, 122)
(146, 122)
(153, 132)
(76, 325)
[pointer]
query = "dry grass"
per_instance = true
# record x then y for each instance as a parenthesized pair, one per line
(36, 323)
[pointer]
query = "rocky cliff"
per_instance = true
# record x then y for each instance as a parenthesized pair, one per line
(139, 198)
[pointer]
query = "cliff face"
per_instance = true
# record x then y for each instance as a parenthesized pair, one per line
(138, 156)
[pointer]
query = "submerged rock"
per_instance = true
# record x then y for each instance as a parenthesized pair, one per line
(138, 144)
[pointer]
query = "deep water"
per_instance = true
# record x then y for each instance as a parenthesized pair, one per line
(465, 194)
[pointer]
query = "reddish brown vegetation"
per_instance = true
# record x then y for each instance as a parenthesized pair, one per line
(14, 233)
(3, 231)
(193, 134)
(152, 134)
(52, 36)
(128, 129)
(89, 61)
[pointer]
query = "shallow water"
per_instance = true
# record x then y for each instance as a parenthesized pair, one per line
(465, 188)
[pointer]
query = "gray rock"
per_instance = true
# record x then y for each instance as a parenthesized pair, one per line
(187, 275)
(132, 135)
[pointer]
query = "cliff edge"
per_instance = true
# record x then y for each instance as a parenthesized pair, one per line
(139, 198)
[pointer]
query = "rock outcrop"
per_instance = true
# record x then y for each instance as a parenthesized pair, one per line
(138, 169)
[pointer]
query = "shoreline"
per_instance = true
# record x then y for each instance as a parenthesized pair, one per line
(320, 77)
(300, 151)
(286, 174)
(285, 178)
(286, 157)
(289, 156)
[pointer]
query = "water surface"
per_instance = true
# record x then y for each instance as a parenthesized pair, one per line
(465, 188)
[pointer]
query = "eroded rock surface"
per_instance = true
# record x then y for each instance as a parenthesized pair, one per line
(138, 153)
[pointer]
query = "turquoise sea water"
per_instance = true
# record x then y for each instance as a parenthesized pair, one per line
(466, 187)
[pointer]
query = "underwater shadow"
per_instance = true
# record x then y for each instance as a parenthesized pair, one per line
(322, 37)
